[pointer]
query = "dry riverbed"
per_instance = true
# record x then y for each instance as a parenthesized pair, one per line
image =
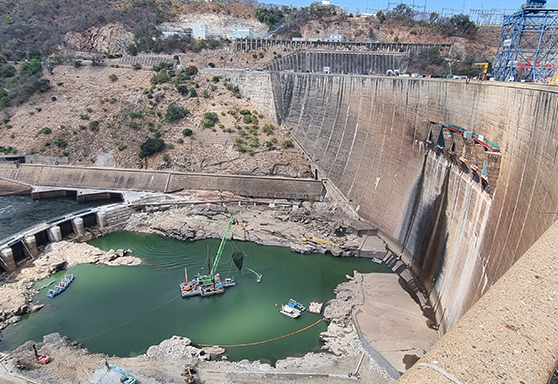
(329, 224)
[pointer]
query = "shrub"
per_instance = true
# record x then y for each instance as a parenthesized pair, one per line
(122, 146)
(247, 119)
(212, 117)
(60, 142)
(268, 128)
(216, 79)
(170, 146)
(193, 92)
(175, 112)
(191, 70)
(205, 93)
(206, 123)
(53, 98)
(151, 146)
(84, 116)
(133, 124)
(77, 63)
(113, 77)
(183, 89)
(46, 130)
(229, 86)
(186, 132)
(212, 65)
(245, 112)
(166, 157)
(136, 66)
(135, 114)
(180, 141)
(287, 144)
(94, 125)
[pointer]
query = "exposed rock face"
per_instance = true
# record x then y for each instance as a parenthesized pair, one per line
(110, 39)
(178, 347)
(312, 228)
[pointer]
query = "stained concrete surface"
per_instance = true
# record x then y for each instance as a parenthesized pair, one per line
(392, 322)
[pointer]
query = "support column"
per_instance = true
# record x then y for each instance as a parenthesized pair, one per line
(31, 245)
(7, 256)
(77, 225)
(54, 234)
(101, 219)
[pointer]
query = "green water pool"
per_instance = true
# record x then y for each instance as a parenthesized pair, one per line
(124, 310)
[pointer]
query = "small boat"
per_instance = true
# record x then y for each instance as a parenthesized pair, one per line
(287, 310)
(61, 287)
(295, 304)
(377, 261)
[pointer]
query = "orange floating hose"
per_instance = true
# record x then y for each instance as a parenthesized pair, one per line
(258, 342)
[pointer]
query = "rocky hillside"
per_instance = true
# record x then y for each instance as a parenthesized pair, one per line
(101, 115)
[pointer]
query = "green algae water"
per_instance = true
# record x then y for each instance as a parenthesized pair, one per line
(124, 310)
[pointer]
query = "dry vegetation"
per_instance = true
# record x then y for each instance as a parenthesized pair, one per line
(96, 120)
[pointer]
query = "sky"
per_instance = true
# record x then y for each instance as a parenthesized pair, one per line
(431, 5)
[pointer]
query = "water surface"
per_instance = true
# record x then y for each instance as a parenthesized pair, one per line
(124, 310)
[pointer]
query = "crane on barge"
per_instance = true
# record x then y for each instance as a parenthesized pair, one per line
(211, 284)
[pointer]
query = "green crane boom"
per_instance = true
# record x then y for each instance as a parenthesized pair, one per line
(222, 246)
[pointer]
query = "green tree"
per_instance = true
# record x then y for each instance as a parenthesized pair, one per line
(175, 112)
(31, 68)
(150, 146)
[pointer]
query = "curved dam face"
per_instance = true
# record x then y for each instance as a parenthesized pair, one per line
(370, 138)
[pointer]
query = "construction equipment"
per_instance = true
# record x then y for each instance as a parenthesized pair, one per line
(125, 379)
(189, 374)
(43, 359)
(484, 67)
(211, 284)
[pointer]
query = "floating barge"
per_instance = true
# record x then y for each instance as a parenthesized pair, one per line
(61, 287)
(315, 307)
(209, 285)
(197, 286)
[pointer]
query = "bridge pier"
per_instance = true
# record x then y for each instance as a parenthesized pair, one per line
(101, 219)
(54, 234)
(77, 225)
(7, 257)
(31, 245)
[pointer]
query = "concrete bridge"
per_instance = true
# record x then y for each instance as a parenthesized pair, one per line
(377, 140)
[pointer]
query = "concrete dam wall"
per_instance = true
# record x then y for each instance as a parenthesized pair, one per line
(370, 137)
(376, 63)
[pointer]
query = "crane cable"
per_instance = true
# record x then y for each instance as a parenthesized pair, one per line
(258, 342)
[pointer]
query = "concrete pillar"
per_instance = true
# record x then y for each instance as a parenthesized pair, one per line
(77, 225)
(54, 234)
(7, 256)
(101, 219)
(31, 245)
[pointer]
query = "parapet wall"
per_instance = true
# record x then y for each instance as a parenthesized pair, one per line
(368, 136)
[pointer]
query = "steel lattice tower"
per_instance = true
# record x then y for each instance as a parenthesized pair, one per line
(528, 46)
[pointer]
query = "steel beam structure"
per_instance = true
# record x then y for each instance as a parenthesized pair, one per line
(528, 46)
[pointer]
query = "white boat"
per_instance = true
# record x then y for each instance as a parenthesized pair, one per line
(289, 311)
